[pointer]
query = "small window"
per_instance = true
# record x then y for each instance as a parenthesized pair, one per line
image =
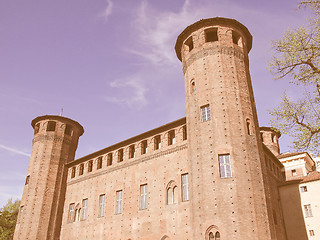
(71, 216)
(217, 236)
(236, 38)
(225, 166)
(27, 180)
(211, 236)
(120, 155)
(90, 164)
(211, 34)
(293, 172)
(77, 214)
(73, 172)
(119, 202)
(171, 137)
(303, 189)
(109, 159)
(102, 199)
(51, 127)
(175, 194)
(169, 196)
(311, 232)
(205, 113)
(84, 209)
(144, 147)
(99, 163)
(37, 128)
(189, 43)
(248, 127)
(157, 142)
(68, 130)
(272, 137)
(261, 136)
(192, 86)
(185, 186)
(81, 169)
(143, 196)
(184, 133)
(131, 151)
(307, 210)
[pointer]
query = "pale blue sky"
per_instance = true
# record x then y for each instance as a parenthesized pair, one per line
(111, 65)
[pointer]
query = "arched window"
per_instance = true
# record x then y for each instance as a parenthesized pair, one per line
(170, 196)
(109, 159)
(192, 86)
(248, 127)
(172, 193)
(217, 236)
(90, 166)
(73, 172)
(175, 194)
(212, 233)
(81, 169)
(99, 163)
(211, 236)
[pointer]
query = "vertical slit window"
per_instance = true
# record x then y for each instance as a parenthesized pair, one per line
(131, 151)
(144, 147)
(157, 142)
(109, 159)
(171, 137)
(236, 38)
(73, 172)
(225, 166)
(169, 196)
(27, 180)
(102, 199)
(81, 169)
(143, 196)
(90, 164)
(192, 86)
(184, 132)
(120, 155)
(185, 186)
(119, 202)
(68, 130)
(248, 127)
(99, 163)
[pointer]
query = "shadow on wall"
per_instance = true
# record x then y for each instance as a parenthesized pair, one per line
(292, 213)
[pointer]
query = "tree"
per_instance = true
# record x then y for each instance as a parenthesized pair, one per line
(8, 218)
(297, 56)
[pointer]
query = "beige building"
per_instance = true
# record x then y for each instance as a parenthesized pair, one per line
(212, 175)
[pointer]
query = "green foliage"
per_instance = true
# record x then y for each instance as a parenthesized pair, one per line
(8, 218)
(297, 56)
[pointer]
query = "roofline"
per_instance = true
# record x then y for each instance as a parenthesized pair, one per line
(58, 118)
(271, 129)
(175, 123)
(269, 151)
(208, 22)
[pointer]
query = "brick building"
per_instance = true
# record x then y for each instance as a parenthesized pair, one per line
(212, 175)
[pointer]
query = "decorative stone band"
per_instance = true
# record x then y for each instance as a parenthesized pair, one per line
(212, 51)
(131, 163)
(51, 138)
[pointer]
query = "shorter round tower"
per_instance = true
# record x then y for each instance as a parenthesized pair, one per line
(270, 138)
(54, 144)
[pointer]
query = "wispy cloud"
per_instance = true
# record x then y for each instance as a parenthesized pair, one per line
(13, 150)
(108, 10)
(133, 90)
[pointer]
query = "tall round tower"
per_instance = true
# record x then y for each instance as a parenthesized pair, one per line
(225, 152)
(54, 144)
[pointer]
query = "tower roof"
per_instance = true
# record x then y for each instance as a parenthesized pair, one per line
(58, 118)
(209, 22)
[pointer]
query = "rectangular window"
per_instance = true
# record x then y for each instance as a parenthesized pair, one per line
(51, 126)
(225, 166)
(143, 196)
(131, 151)
(211, 34)
(81, 169)
(303, 189)
(185, 186)
(171, 137)
(144, 147)
(294, 172)
(307, 210)
(99, 163)
(311, 232)
(184, 132)
(84, 209)
(90, 166)
(205, 113)
(102, 199)
(109, 159)
(73, 172)
(71, 216)
(120, 155)
(68, 130)
(157, 142)
(119, 202)
(27, 180)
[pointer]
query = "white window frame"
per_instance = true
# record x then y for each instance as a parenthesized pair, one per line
(143, 196)
(102, 200)
(225, 166)
(308, 210)
(185, 187)
(71, 216)
(119, 195)
(84, 209)
(205, 113)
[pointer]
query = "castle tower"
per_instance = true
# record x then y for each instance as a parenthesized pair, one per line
(54, 144)
(224, 149)
(271, 139)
